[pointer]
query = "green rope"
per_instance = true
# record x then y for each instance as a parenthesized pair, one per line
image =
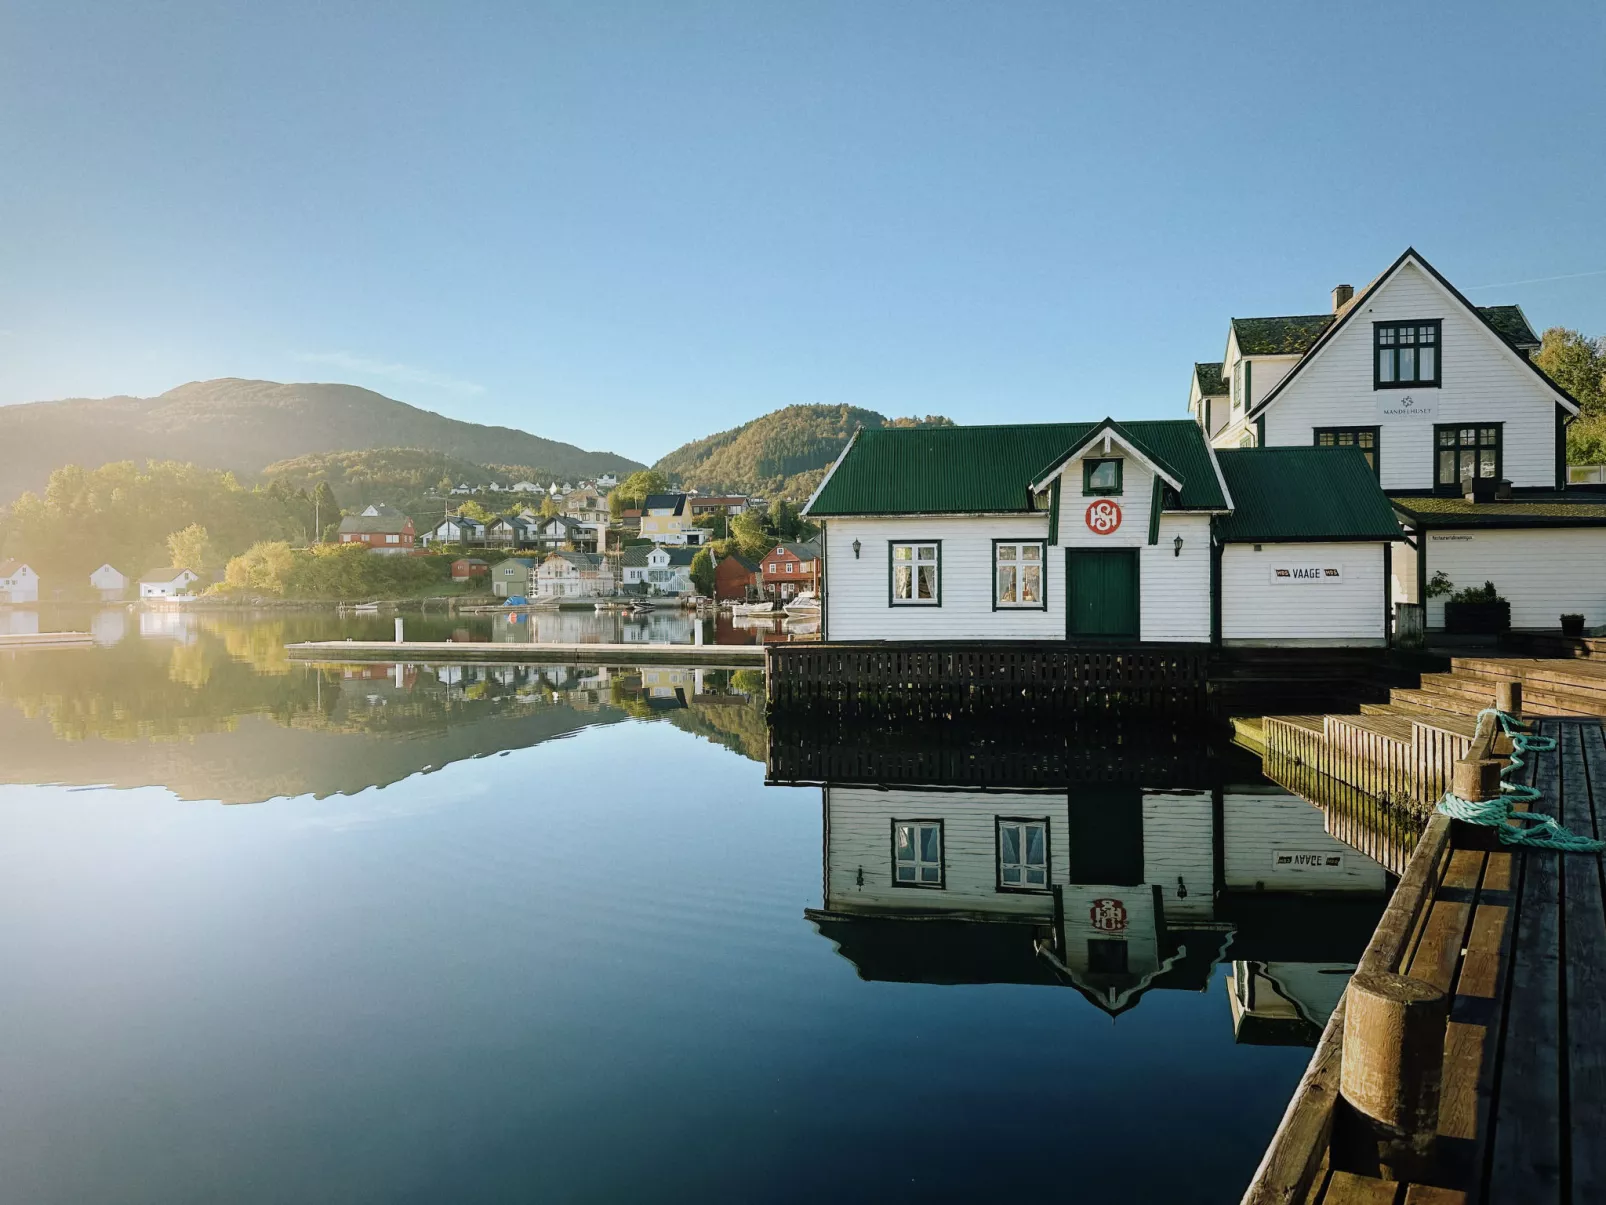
(1518, 828)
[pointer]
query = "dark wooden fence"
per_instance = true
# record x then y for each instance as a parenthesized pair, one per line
(945, 680)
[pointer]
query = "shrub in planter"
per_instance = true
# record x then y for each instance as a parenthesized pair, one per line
(1477, 611)
(1572, 625)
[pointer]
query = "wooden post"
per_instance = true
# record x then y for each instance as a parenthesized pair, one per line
(1508, 697)
(398, 629)
(1393, 1061)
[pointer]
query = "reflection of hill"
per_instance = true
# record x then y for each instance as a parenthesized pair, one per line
(208, 708)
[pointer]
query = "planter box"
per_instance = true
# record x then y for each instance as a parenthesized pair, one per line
(1477, 619)
(1572, 626)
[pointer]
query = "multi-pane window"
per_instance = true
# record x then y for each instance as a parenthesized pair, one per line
(1364, 438)
(1466, 452)
(917, 853)
(1018, 574)
(1101, 476)
(1407, 353)
(1023, 855)
(917, 574)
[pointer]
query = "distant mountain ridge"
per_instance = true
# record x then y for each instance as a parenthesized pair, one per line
(246, 425)
(780, 454)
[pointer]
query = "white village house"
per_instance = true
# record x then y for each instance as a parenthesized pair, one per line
(658, 569)
(1466, 434)
(18, 582)
(109, 583)
(455, 529)
(1101, 533)
(574, 575)
(166, 582)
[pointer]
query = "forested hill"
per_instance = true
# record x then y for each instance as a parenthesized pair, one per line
(247, 425)
(780, 454)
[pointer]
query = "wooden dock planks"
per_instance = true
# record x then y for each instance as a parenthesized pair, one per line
(1584, 982)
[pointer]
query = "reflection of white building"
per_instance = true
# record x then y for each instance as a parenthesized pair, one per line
(1111, 889)
(19, 623)
(167, 625)
(109, 627)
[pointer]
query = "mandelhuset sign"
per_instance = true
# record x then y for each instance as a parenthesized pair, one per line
(1412, 407)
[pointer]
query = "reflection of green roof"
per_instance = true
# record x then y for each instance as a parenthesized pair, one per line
(1301, 493)
(1211, 382)
(1287, 336)
(990, 470)
(1535, 512)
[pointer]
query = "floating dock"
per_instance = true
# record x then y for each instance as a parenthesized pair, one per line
(46, 640)
(1515, 941)
(460, 652)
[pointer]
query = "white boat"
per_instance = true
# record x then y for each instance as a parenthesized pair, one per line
(768, 607)
(807, 603)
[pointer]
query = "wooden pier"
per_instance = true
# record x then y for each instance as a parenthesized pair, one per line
(46, 640)
(464, 652)
(1487, 978)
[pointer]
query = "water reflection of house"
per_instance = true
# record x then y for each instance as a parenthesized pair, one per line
(670, 684)
(1112, 889)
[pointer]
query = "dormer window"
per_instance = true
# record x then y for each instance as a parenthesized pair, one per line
(1101, 476)
(1406, 354)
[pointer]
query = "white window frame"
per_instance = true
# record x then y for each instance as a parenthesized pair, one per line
(1018, 562)
(919, 554)
(924, 873)
(1022, 868)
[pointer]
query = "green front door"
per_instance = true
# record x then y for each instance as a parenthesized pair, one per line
(1101, 595)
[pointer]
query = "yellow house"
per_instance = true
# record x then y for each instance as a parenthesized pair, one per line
(666, 519)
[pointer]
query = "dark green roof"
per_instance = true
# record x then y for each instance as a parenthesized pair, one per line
(990, 470)
(1510, 325)
(1211, 382)
(1303, 493)
(1523, 512)
(1288, 336)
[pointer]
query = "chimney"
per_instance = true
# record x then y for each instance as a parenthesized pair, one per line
(1341, 296)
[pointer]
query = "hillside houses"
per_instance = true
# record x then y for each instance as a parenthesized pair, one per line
(383, 528)
(657, 569)
(574, 574)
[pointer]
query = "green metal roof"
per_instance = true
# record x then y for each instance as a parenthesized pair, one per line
(990, 470)
(1211, 382)
(1458, 512)
(1510, 325)
(1303, 494)
(1287, 336)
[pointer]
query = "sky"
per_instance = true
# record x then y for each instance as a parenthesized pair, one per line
(628, 225)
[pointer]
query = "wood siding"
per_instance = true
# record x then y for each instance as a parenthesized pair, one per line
(1542, 572)
(1178, 852)
(1255, 610)
(1481, 382)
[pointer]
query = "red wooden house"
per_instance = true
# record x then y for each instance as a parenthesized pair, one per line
(383, 528)
(789, 569)
(735, 578)
(465, 567)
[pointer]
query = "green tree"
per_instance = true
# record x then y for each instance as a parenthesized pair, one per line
(549, 506)
(702, 572)
(326, 509)
(1578, 364)
(192, 548)
(473, 510)
(634, 488)
(265, 568)
(752, 534)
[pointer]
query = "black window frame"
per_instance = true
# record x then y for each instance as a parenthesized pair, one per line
(942, 853)
(1377, 442)
(892, 599)
(1042, 585)
(1456, 486)
(1092, 462)
(1394, 345)
(998, 856)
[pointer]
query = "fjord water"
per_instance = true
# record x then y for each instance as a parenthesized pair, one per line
(275, 933)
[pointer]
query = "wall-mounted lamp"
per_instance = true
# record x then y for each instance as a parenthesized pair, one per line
(1176, 546)
(856, 547)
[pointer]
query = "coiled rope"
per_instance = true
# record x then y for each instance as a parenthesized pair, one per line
(1518, 828)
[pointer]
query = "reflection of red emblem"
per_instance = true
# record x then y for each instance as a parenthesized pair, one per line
(1107, 916)
(1103, 517)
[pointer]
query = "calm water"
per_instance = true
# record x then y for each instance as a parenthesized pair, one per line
(401, 933)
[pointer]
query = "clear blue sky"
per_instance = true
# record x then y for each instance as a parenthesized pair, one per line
(630, 224)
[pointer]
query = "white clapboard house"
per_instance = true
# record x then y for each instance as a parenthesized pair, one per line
(574, 575)
(1466, 435)
(109, 583)
(455, 529)
(1112, 889)
(1101, 533)
(18, 582)
(167, 582)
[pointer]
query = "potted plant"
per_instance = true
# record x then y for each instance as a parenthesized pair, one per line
(1477, 611)
(1572, 626)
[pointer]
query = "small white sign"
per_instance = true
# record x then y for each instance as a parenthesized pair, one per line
(1304, 860)
(1306, 575)
(1410, 408)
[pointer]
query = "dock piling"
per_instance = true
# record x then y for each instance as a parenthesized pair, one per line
(398, 629)
(1508, 697)
(1393, 1062)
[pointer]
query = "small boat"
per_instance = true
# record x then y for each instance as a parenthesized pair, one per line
(767, 607)
(806, 604)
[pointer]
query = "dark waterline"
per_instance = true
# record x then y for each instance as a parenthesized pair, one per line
(541, 935)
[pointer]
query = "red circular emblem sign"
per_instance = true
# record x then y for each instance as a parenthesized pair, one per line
(1103, 517)
(1108, 916)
